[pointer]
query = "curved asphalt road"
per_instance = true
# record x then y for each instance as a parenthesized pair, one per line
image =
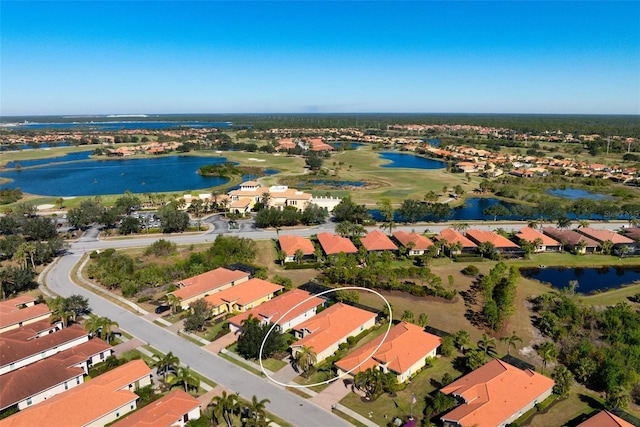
(286, 405)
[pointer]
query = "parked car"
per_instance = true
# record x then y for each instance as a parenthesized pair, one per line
(162, 308)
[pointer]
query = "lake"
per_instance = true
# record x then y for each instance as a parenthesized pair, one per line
(99, 177)
(589, 279)
(121, 125)
(574, 194)
(70, 157)
(411, 161)
(354, 145)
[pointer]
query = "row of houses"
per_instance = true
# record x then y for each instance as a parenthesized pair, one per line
(44, 370)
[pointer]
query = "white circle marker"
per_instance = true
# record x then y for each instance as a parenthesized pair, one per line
(343, 374)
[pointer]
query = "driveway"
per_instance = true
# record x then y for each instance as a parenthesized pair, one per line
(222, 342)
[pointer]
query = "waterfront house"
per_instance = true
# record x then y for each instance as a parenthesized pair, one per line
(572, 240)
(20, 311)
(605, 419)
(417, 244)
(404, 352)
(196, 287)
(601, 236)
(290, 244)
(173, 410)
(96, 402)
(332, 244)
(543, 242)
(241, 297)
(324, 332)
(503, 246)
(298, 305)
(377, 241)
(496, 394)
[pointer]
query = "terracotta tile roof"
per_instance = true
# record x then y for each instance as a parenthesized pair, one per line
(242, 203)
(421, 242)
(451, 236)
(11, 314)
(166, 411)
(604, 235)
(85, 403)
(489, 236)
(376, 240)
(35, 378)
(493, 393)
(18, 344)
(331, 326)
(569, 236)
(405, 345)
(529, 234)
(82, 352)
(243, 293)
(605, 419)
(333, 244)
(208, 281)
(290, 244)
(273, 310)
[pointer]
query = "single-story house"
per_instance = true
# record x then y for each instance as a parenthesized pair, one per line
(547, 244)
(496, 394)
(274, 310)
(196, 287)
(242, 297)
(19, 311)
(571, 239)
(290, 244)
(503, 245)
(602, 236)
(416, 243)
(404, 352)
(377, 241)
(605, 419)
(96, 402)
(173, 410)
(451, 238)
(332, 244)
(324, 332)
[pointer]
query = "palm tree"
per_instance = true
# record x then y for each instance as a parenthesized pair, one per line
(460, 226)
(407, 316)
(461, 339)
(563, 222)
(105, 332)
(454, 248)
(511, 341)
(564, 380)
(59, 311)
(92, 324)
(166, 363)
(304, 359)
(185, 377)
(299, 255)
(583, 223)
(549, 352)
(487, 346)
(225, 406)
(173, 301)
(256, 412)
(369, 381)
(533, 224)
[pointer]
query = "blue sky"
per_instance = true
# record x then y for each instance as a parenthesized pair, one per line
(359, 56)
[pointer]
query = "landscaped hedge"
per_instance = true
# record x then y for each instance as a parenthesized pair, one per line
(468, 258)
(295, 266)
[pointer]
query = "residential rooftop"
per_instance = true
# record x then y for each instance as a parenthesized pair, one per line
(333, 244)
(420, 242)
(166, 411)
(376, 240)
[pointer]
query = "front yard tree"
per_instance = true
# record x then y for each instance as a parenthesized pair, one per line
(200, 312)
(165, 363)
(253, 333)
(304, 359)
(225, 407)
(185, 377)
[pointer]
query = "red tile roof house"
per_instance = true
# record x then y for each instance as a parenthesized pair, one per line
(324, 332)
(602, 236)
(45, 378)
(571, 239)
(503, 245)
(242, 297)
(333, 244)
(18, 347)
(605, 419)
(274, 310)
(452, 237)
(200, 286)
(404, 352)
(495, 394)
(548, 244)
(174, 409)
(19, 311)
(377, 241)
(290, 244)
(416, 243)
(96, 402)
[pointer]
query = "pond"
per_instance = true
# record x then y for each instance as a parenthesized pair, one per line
(352, 145)
(472, 210)
(574, 194)
(589, 279)
(403, 160)
(99, 177)
(70, 157)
